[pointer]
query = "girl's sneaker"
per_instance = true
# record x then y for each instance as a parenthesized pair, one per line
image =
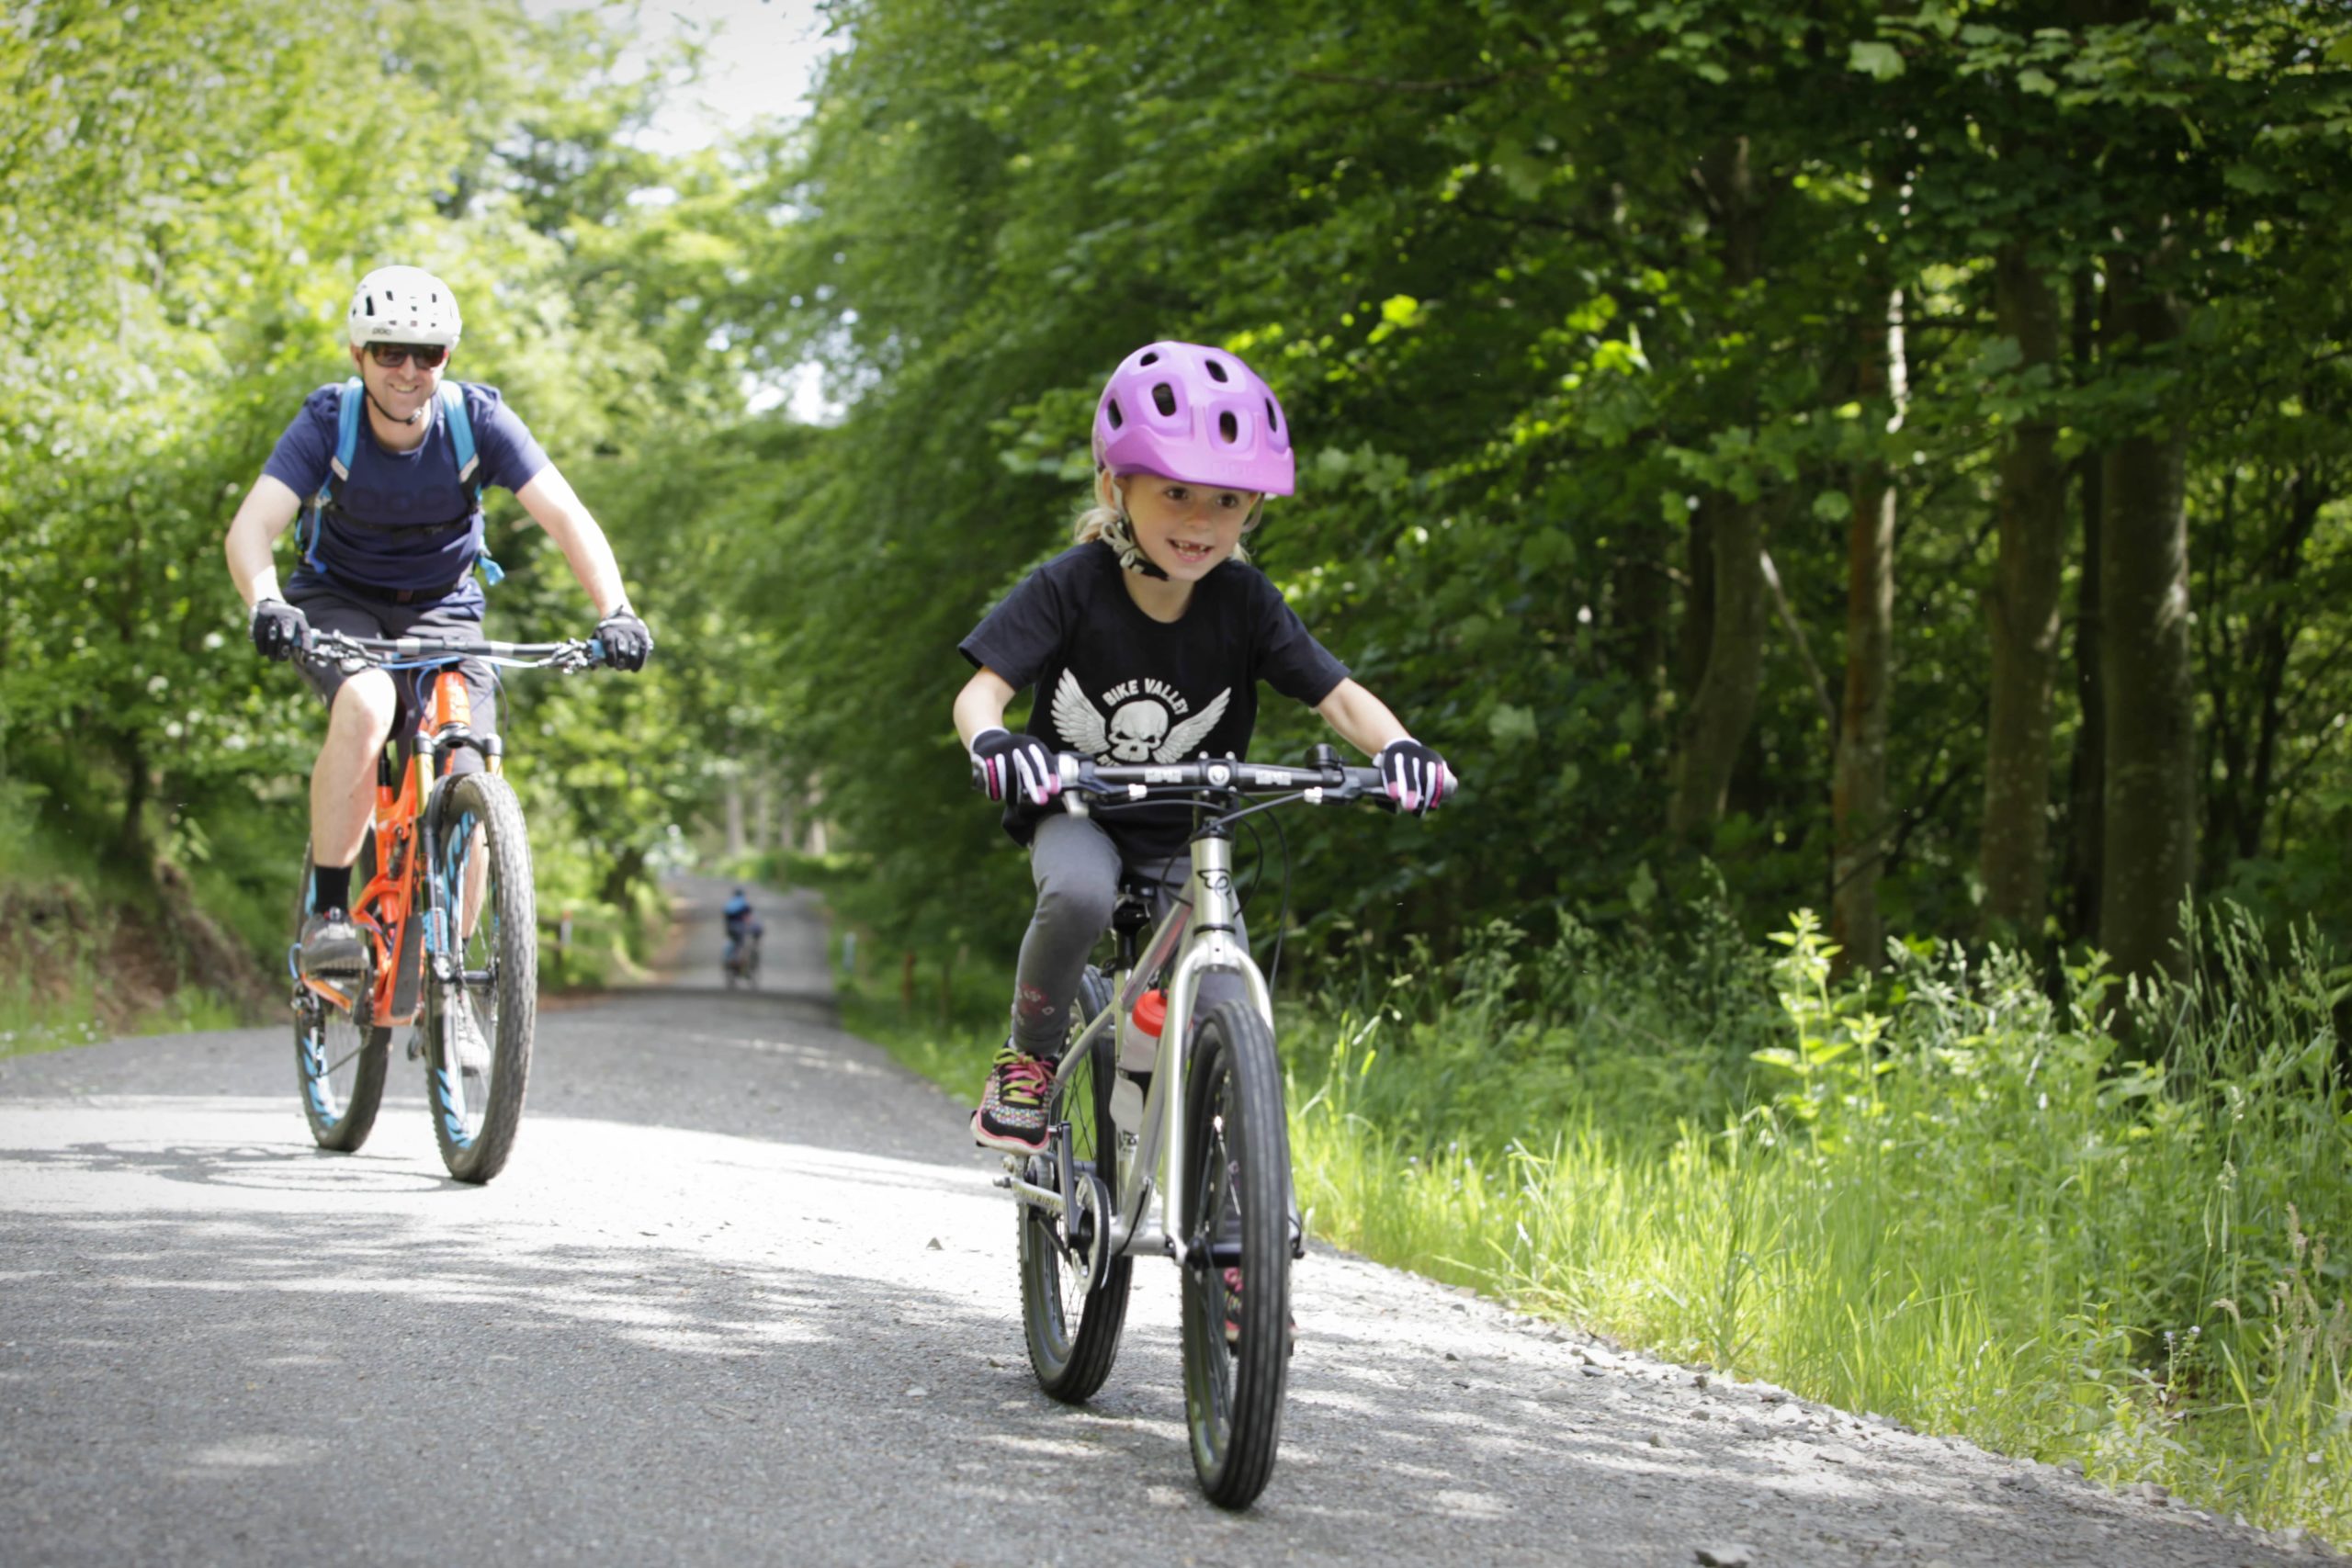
(1011, 1116)
(1232, 1314)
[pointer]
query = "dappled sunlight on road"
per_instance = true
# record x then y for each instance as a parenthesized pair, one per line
(767, 1294)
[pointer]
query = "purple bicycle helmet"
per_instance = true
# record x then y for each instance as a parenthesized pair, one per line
(1196, 414)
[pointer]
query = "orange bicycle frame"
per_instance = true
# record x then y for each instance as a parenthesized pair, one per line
(389, 910)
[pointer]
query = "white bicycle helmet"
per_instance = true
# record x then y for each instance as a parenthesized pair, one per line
(403, 304)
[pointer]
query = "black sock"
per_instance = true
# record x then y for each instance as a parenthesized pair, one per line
(330, 887)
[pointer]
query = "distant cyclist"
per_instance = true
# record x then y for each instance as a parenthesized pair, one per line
(743, 924)
(389, 541)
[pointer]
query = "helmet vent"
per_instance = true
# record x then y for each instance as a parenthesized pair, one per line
(1228, 427)
(1216, 370)
(1151, 359)
(1118, 419)
(1163, 398)
(1273, 418)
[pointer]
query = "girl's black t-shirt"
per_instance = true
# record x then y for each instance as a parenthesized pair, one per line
(1121, 687)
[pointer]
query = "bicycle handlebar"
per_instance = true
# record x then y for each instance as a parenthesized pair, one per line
(1326, 779)
(343, 649)
(1329, 781)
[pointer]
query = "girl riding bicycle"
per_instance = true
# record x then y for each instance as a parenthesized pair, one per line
(1146, 641)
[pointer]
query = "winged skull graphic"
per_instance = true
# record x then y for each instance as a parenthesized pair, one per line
(1139, 732)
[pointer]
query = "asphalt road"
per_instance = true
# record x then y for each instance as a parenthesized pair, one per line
(744, 1295)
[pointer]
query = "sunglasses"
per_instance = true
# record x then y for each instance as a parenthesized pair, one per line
(393, 355)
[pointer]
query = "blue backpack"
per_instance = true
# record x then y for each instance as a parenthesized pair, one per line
(346, 444)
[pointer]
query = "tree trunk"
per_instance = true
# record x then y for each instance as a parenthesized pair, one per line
(1642, 608)
(2274, 644)
(1723, 702)
(2246, 678)
(2150, 848)
(1716, 725)
(131, 841)
(2087, 789)
(1857, 795)
(2013, 852)
(1698, 608)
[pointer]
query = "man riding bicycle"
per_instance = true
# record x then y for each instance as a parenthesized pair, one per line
(386, 473)
(742, 924)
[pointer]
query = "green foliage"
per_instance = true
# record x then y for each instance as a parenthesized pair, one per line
(1522, 341)
(1990, 1230)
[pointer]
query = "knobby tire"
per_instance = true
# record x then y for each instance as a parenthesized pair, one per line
(476, 1111)
(339, 1062)
(1236, 1184)
(1073, 1332)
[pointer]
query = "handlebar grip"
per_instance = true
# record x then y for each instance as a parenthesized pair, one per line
(597, 649)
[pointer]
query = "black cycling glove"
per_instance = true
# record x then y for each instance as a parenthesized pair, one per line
(626, 642)
(277, 628)
(1417, 778)
(1004, 763)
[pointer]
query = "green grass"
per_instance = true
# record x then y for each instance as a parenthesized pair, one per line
(28, 1025)
(1966, 1211)
(1949, 1200)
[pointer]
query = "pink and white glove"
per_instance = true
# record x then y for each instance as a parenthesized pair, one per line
(1005, 764)
(1416, 777)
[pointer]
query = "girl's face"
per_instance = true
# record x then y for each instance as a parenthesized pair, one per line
(1187, 530)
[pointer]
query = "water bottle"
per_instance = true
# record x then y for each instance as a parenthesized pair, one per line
(1139, 1032)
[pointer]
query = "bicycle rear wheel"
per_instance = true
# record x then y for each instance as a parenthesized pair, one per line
(338, 1058)
(1072, 1311)
(1236, 1311)
(480, 1015)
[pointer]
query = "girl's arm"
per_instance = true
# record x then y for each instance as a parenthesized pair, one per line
(1362, 719)
(981, 703)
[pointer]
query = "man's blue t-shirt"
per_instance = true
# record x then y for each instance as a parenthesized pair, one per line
(411, 503)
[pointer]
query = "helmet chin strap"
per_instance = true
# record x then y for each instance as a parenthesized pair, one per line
(416, 418)
(1119, 535)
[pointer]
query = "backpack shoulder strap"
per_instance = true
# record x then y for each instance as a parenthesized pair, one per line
(352, 402)
(461, 434)
(461, 438)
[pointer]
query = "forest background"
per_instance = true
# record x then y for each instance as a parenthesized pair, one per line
(1878, 460)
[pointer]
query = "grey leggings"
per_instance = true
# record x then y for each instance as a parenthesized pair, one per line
(1077, 871)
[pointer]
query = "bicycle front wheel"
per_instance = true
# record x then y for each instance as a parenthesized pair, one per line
(338, 1058)
(1236, 1311)
(1073, 1306)
(480, 1014)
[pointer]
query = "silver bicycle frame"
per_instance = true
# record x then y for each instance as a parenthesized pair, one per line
(1201, 931)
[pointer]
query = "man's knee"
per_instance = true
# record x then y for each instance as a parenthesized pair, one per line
(363, 711)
